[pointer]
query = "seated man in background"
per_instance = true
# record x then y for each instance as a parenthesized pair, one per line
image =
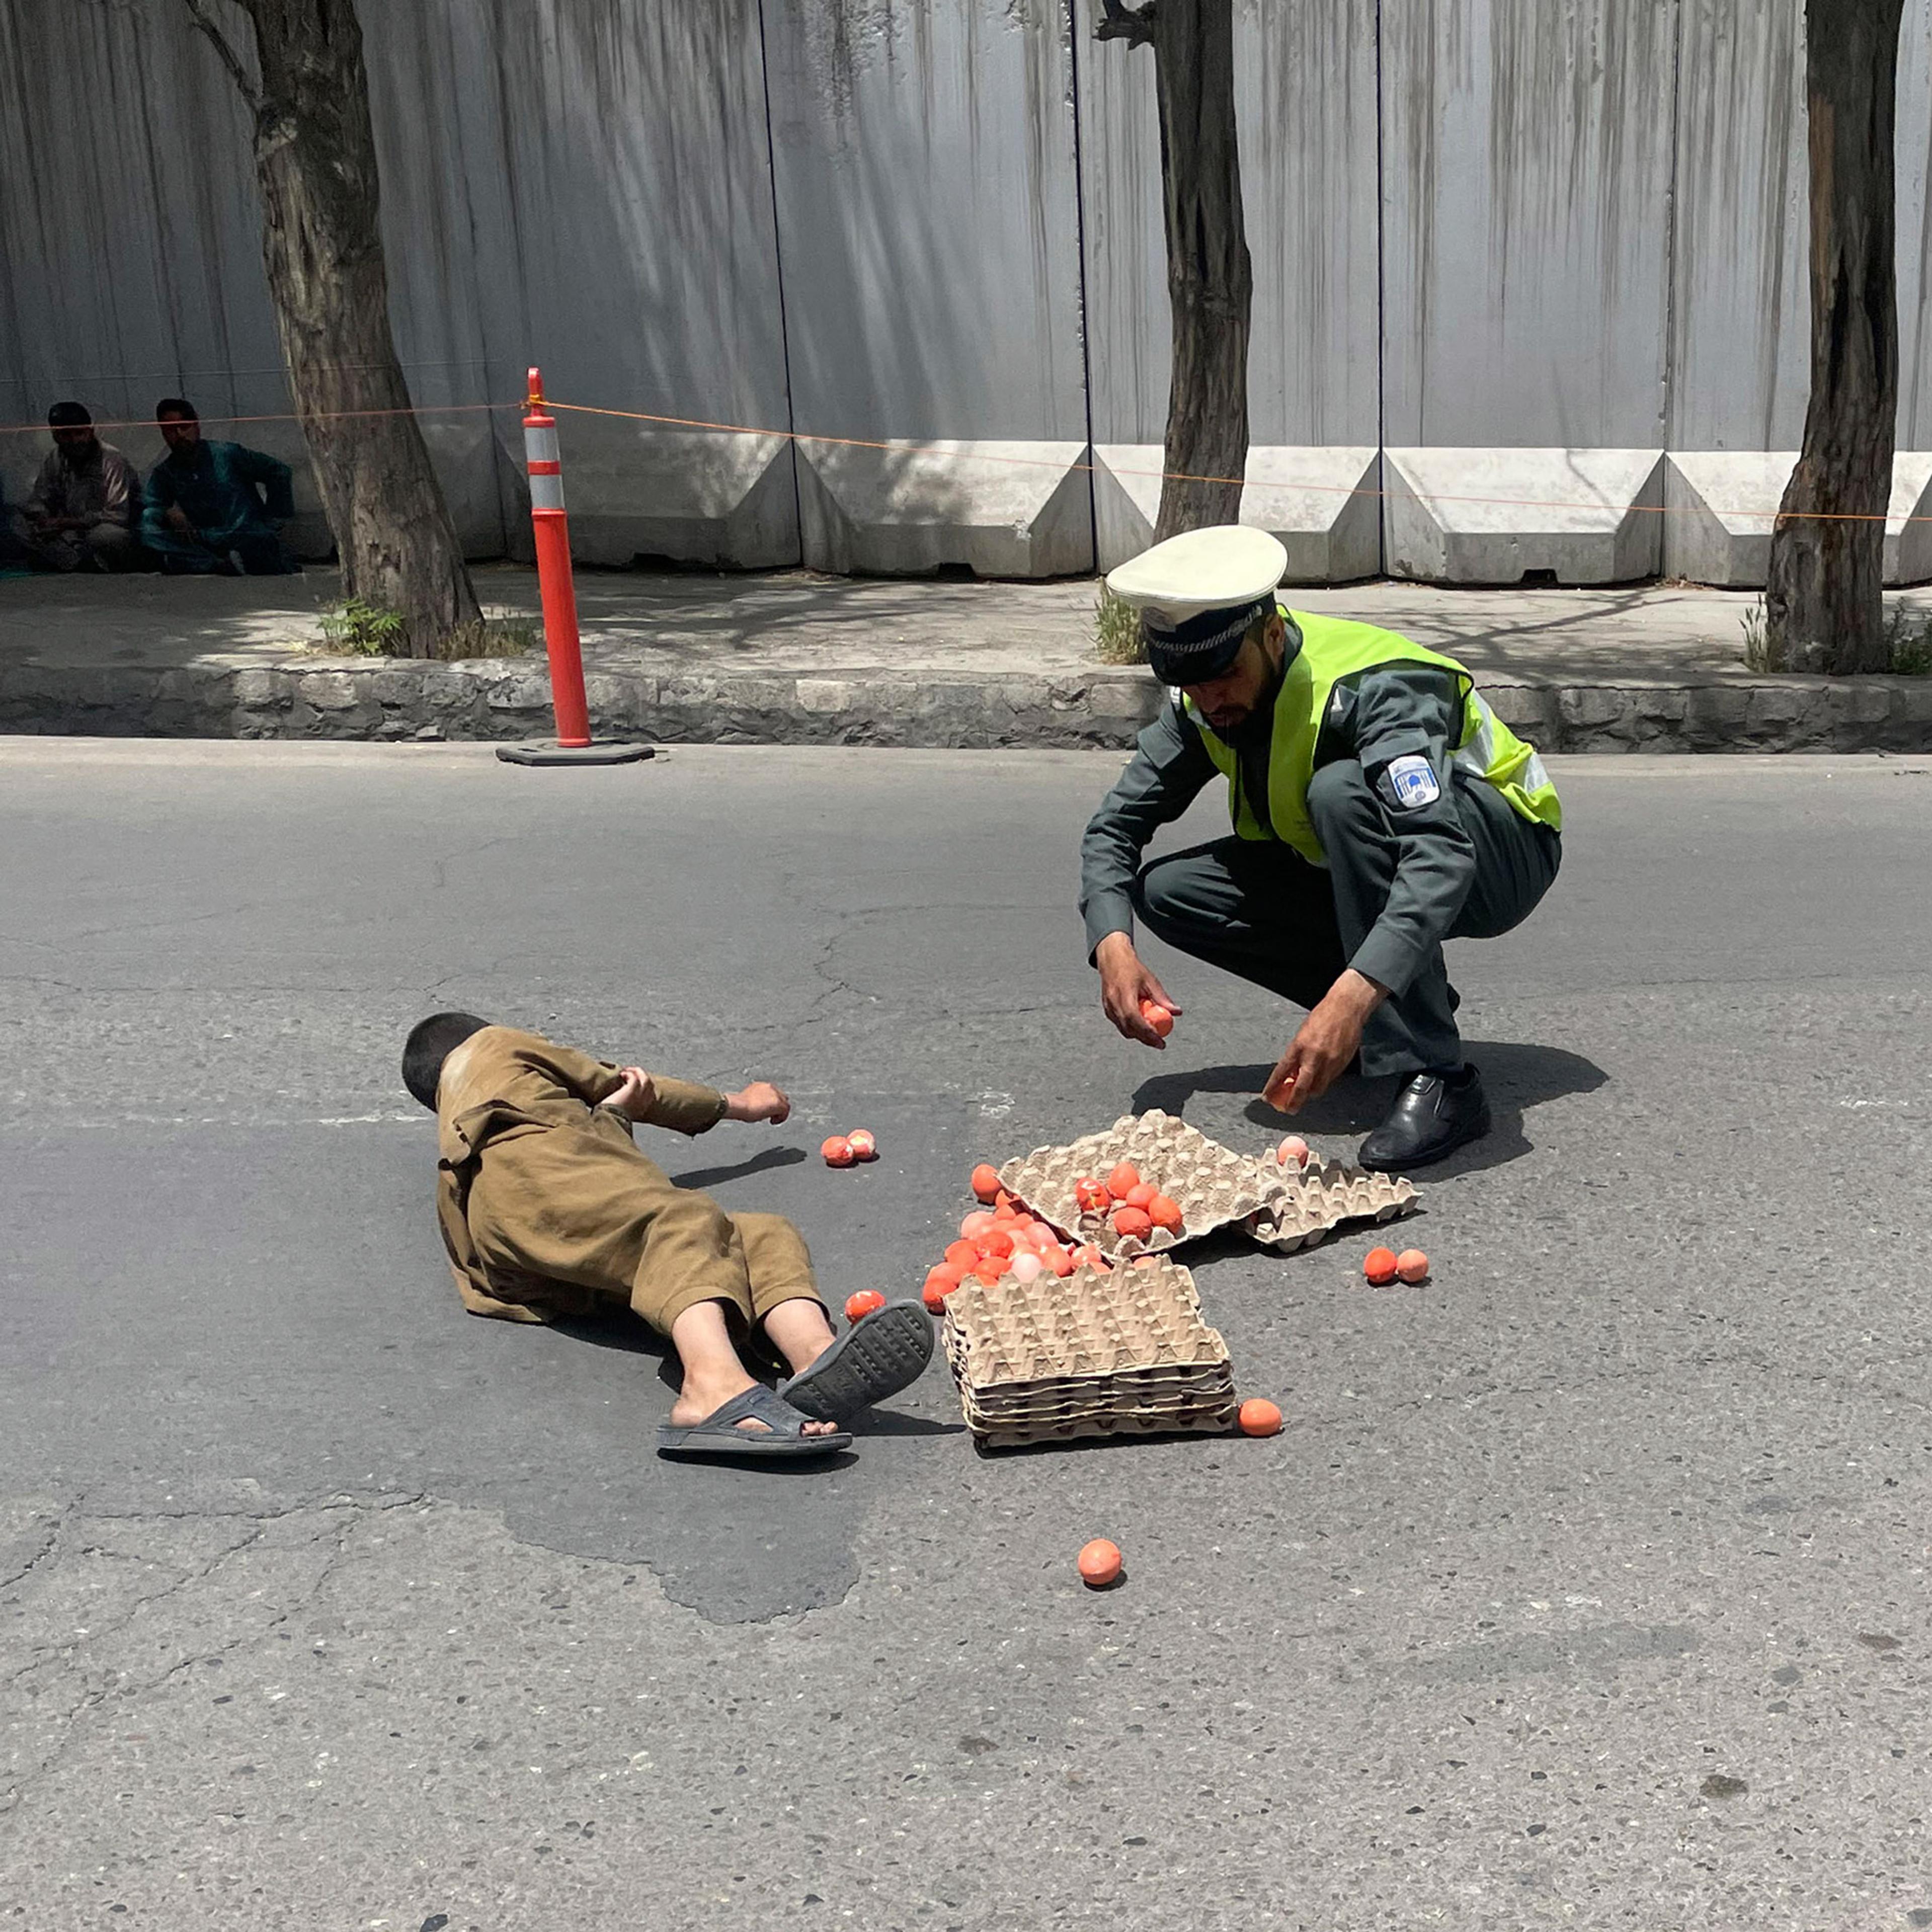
(80, 511)
(214, 505)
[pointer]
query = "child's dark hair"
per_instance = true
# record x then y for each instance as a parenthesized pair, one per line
(431, 1042)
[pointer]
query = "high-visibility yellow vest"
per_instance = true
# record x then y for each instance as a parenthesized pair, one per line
(1332, 649)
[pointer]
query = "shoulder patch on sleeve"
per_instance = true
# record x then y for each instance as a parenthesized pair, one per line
(1410, 782)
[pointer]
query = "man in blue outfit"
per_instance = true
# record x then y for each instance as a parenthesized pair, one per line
(214, 506)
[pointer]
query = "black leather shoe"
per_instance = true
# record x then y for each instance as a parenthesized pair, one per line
(1431, 1116)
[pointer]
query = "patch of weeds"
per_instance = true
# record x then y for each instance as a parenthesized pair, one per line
(1908, 639)
(489, 637)
(1760, 655)
(1116, 631)
(353, 628)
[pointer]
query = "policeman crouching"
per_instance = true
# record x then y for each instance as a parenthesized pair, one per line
(1379, 807)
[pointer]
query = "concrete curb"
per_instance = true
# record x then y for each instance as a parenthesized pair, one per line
(352, 698)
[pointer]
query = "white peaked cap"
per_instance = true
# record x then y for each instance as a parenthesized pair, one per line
(1223, 567)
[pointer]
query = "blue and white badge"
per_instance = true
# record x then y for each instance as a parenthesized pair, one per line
(1411, 783)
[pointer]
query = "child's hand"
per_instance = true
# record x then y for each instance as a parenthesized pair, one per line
(636, 1097)
(761, 1101)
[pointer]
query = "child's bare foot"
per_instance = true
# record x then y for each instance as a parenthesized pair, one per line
(704, 1396)
(713, 1374)
(799, 1332)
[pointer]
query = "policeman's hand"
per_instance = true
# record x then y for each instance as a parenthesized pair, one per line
(761, 1101)
(636, 1097)
(1124, 983)
(1329, 1038)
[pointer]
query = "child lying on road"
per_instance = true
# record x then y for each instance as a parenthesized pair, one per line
(548, 1210)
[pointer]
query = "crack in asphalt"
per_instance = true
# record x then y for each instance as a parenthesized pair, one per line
(353, 1511)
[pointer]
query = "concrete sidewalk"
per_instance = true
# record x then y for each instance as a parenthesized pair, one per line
(792, 658)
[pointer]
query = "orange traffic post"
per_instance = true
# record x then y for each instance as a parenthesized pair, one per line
(550, 526)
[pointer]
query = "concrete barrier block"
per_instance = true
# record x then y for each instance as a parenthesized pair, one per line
(1321, 502)
(1719, 507)
(906, 508)
(692, 495)
(1908, 524)
(1492, 516)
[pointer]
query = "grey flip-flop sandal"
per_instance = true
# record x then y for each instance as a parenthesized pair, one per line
(782, 1439)
(880, 1354)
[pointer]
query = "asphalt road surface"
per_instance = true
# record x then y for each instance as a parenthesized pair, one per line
(1586, 1586)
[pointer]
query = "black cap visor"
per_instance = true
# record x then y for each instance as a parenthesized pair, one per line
(1200, 649)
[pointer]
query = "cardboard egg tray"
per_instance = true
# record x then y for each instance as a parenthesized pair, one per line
(1306, 1207)
(1121, 1351)
(1213, 1187)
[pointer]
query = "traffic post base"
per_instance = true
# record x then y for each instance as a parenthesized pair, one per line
(548, 751)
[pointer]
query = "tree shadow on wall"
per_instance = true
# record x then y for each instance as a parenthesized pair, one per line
(1516, 1075)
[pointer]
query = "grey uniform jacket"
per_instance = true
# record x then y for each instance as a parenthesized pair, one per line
(1397, 711)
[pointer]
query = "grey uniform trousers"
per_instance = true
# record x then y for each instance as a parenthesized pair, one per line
(1259, 910)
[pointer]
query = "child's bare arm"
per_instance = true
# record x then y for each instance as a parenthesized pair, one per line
(689, 1108)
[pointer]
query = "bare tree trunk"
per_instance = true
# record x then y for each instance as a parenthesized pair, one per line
(1210, 283)
(1823, 608)
(315, 161)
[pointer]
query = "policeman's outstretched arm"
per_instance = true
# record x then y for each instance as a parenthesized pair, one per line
(1328, 1040)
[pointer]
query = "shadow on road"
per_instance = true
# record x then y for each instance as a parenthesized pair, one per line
(1518, 1075)
(759, 1163)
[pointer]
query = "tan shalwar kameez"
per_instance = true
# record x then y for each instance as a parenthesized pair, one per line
(549, 1210)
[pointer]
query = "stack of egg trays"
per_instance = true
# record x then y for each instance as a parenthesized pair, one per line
(1213, 1187)
(1305, 1208)
(1118, 1351)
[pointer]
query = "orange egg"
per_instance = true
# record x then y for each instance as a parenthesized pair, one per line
(1379, 1265)
(1157, 1017)
(1091, 1256)
(1412, 1264)
(985, 1182)
(962, 1253)
(864, 1145)
(1027, 1266)
(1293, 1152)
(1140, 1194)
(838, 1151)
(939, 1284)
(1002, 1200)
(858, 1306)
(1257, 1417)
(1165, 1214)
(1059, 1260)
(1099, 1563)
(1132, 1223)
(976, 1224)
(1090, 1196)
(1126, 1175)
(996, 1241)
(988, 1268)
